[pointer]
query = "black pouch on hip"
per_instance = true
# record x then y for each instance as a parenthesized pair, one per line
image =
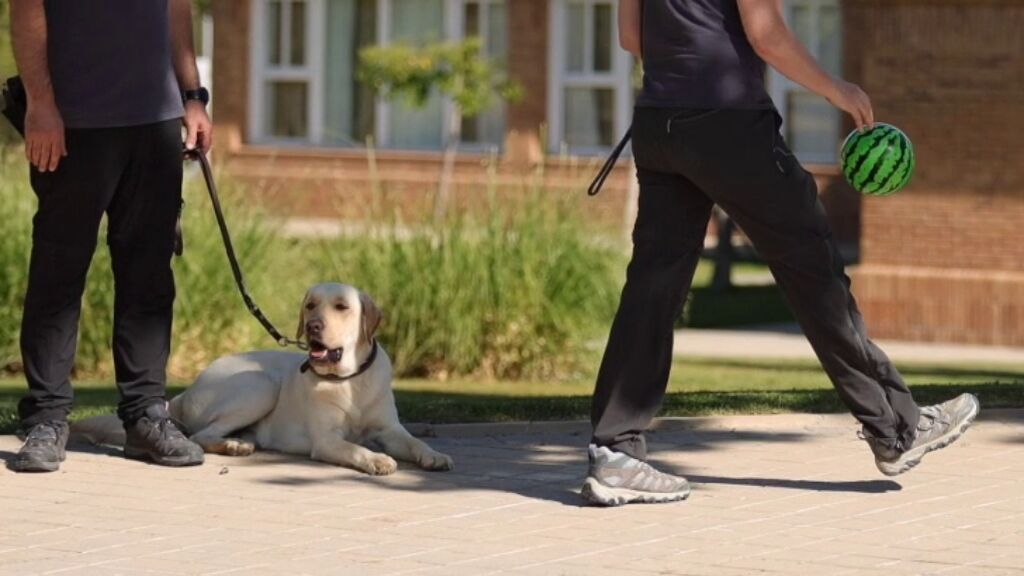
(15, 103)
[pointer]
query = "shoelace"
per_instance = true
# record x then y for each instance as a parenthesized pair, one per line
(41, 433)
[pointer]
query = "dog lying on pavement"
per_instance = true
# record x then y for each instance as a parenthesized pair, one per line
(324, 404)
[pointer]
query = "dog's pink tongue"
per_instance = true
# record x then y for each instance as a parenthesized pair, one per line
(318, 354)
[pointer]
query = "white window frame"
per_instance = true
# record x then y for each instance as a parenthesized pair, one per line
(779, 86)
(312, 72)
(618, 79)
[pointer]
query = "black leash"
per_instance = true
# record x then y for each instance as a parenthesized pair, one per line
(602, 175)
(307, 366)
(211, 187)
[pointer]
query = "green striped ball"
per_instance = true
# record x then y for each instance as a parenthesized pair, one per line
(878, 162)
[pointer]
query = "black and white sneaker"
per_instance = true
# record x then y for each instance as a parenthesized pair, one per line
(616, 479)
(939, 426)
(43, 450)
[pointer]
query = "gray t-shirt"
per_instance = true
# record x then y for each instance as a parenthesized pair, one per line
(696, 55)
(110, 62)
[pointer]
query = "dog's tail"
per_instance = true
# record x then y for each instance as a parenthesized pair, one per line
(107, 430)
(99, 430)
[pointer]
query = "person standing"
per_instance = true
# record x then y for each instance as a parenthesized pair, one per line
(705, 132)
(109, 85)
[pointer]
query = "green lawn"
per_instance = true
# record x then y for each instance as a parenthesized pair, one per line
(697, 387)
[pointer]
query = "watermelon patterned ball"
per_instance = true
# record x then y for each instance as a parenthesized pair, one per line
(878, 162)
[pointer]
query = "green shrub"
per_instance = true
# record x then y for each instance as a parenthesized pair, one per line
(504, 292)
(210, 319)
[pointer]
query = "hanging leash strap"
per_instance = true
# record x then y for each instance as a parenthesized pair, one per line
(609, 164)
(211, 187)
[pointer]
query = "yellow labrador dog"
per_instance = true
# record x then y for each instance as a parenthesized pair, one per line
(324, 404)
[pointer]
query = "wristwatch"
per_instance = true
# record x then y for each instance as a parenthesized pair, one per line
(201, 94)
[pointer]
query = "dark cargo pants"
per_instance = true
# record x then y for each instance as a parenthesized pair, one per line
(687, 161)
(133, 175)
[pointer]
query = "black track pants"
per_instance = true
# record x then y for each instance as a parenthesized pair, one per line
(132, 174)
(687, 161)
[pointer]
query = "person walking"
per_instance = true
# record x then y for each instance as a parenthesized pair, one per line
(705, 132)
(109, 85)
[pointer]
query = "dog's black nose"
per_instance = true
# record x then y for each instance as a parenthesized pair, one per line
(314, 327)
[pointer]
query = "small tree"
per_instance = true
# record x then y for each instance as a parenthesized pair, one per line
(458, 70)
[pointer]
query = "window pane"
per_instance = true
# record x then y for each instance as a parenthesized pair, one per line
(589, 117)
(471, 19)
(417, 21)
(497, 30)
(602, 37)
(273, 32)
(287, 108)
(812, 127)
(829, 42)
(574, 37)
(803, 25)
(298, 30)
(348, 104)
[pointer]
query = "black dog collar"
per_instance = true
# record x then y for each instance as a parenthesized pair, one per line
(306, 367)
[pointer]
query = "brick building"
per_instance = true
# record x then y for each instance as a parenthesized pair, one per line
(943, 260)
(291, 111)
(939, 261)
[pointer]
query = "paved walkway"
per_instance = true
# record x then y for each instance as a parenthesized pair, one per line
(773, 495)
(786, 342)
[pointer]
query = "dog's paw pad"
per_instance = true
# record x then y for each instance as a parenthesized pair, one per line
(381, 465)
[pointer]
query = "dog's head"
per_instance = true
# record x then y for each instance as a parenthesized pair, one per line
(338, 323)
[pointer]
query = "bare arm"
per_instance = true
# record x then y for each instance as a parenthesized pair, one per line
(772, 39)
(44, 127)
(629, 26)
(183, 53)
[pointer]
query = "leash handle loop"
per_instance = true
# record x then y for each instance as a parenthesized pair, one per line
(609, 164)
(236, 270)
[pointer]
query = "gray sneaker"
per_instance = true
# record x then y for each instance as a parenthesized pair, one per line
(939, 426)
(43, 450)
(616, 479)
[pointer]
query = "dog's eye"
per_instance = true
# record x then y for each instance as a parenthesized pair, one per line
(340, 307)
(310, 305)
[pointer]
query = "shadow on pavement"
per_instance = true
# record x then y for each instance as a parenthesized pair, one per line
(552, 468)
(860, 486)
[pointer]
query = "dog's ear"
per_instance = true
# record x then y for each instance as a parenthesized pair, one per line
(301, 330)
(371, 316)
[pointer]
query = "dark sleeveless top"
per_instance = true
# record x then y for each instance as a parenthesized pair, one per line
(110, 62)
(696, 55)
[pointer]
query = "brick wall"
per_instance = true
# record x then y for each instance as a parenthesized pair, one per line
(942, 260)
(231, 68)
(527, 64)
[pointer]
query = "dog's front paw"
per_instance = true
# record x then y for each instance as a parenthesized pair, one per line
(234, 447)
(436, 461)
(379, 465)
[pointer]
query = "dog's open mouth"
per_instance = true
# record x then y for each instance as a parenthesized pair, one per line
(319, 352)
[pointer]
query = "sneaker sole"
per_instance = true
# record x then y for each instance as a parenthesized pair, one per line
(597, 493)
(175, 462)
(914, 457)
(36, 466)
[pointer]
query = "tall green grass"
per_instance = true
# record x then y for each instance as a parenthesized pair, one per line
(501, 292)
(507, 294)
(209, 317)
